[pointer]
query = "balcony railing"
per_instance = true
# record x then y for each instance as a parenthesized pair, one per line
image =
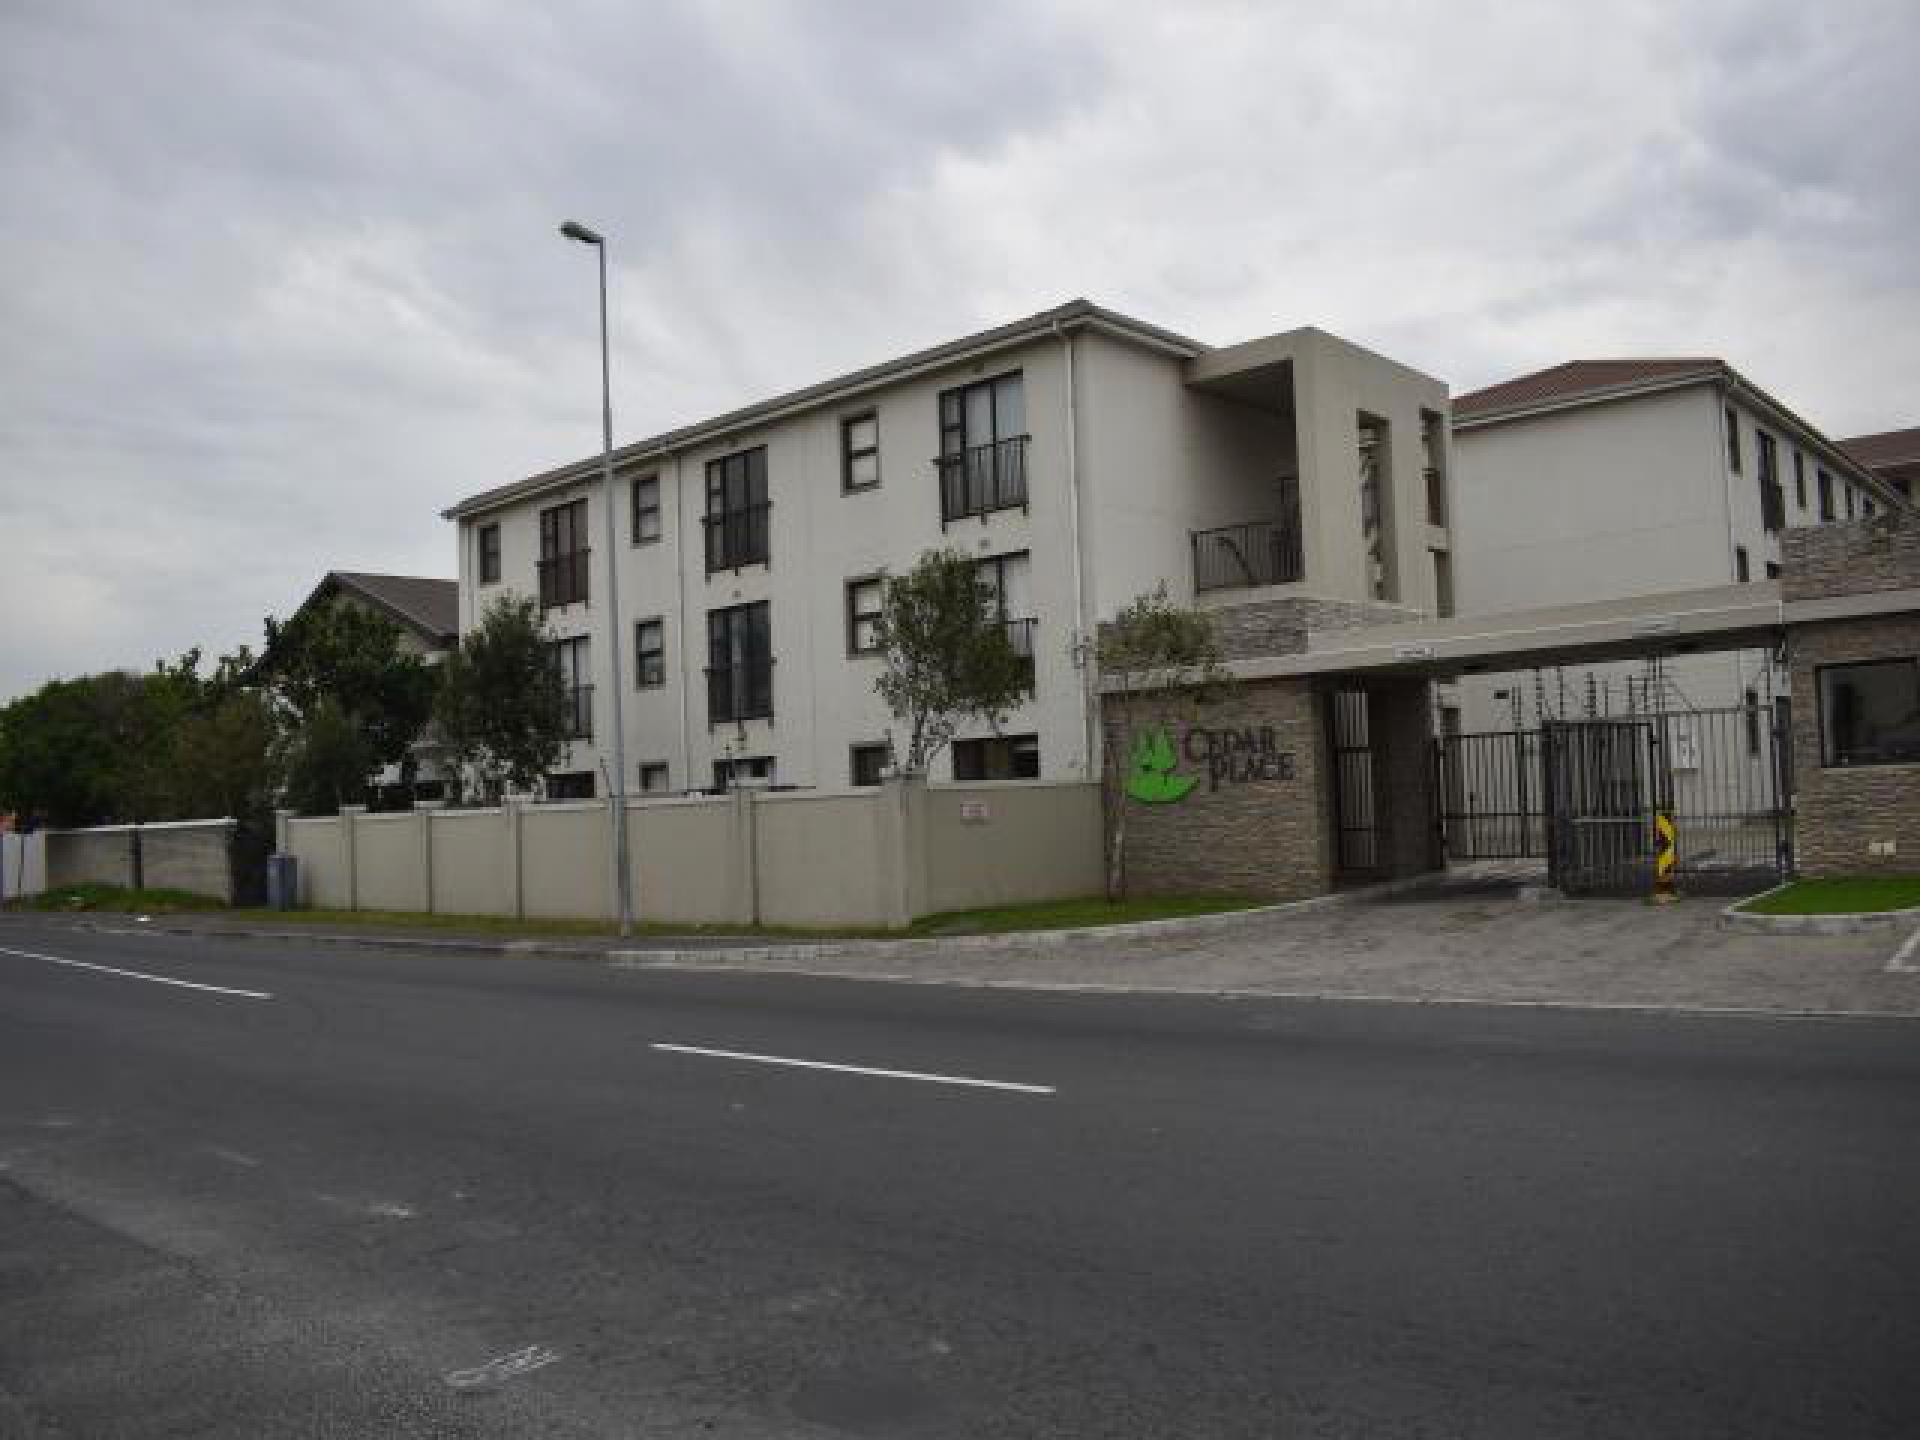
(742, 691)
(1258, 552)
(737, 537)
(577, 711)
(563, 579)
(983, 479)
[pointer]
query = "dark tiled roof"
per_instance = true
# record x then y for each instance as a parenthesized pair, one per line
(428, 605)
(1577, 378)
(1887, 448)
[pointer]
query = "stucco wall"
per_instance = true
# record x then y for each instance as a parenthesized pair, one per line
(471, 868)
(564, 865)
(192, 855)
(841, 879)
(23, 864)
(688, 862)
(390, 874)
(1007, 844)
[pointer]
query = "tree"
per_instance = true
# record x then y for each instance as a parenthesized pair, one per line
(502, 707)
(1151, 648)
(946, 654)
(335, 669)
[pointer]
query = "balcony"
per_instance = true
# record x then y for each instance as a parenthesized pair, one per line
(742, 691)
(576, 710)
(563, 579)
(1256, 552)
(737, 538)
(982, 479)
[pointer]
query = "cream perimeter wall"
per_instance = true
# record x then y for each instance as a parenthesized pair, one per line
(874, 858)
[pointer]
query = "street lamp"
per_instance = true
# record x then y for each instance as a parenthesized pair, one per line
(574, 230)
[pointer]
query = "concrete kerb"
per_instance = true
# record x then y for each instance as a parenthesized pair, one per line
(1737, 917)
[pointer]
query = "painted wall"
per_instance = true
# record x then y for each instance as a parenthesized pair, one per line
(23, 864)
(189, 855)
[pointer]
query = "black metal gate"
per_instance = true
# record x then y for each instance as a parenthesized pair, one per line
(1583, 794)
(1356, 810)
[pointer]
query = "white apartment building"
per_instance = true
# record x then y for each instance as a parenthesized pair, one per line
(1603, 479)
(1083, 456)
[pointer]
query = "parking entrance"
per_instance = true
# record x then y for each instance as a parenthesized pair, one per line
(1583, 796)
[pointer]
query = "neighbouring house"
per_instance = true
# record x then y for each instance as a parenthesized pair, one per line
(1085, 457)
(427, 611)
(1893, 455)
(1595, 480)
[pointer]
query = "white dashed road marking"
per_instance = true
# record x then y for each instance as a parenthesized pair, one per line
(858, 1069)
(1903, 958)
(139, 975)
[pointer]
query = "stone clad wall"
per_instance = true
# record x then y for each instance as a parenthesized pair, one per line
(1279, 627)
(1839, 812)
(1863, 556)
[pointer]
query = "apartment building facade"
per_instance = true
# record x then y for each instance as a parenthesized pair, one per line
(1082, 457)
(1604, 479)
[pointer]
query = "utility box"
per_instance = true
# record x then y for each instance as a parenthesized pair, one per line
(283, 882)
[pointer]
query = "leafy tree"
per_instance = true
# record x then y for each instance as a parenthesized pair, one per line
(1152, 653)
(502, 707)
(946, 654)
(334, 668)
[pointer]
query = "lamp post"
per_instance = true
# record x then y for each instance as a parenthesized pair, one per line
(623, 882)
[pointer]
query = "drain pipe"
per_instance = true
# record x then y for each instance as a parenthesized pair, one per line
(1082, 638)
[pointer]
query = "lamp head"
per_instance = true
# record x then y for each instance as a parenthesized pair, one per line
(574, 230)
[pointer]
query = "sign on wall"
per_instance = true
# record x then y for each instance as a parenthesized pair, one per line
(1229, 755)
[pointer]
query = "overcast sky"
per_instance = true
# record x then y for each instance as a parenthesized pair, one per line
(278, 282)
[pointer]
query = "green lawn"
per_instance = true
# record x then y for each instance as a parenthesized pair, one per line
(1841, 895)
(1048, 915)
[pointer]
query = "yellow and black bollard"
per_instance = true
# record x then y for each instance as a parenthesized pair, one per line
(1664, 855)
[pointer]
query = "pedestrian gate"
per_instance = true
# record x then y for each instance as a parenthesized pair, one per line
(1583, 795)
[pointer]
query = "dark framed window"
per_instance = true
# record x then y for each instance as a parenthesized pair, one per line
(1850, 509)
(741, 767)
(1750, 711)
(737, 510)
(649, 654)
(1869, 712)
(983, 447)
(740, 663)
(866, 764)
(571, 658)
(1866, 505)
(1742, 571)
(563, 555)
(1825, 483)
(654, 777)
(570, 785)
(1800, 479)
(1773, 570)
(863, 614)
(489, 554)
(860, 451)
(997, 757)
(645, 501)
(1773, 500)
(1007, 579)
(1733, 440)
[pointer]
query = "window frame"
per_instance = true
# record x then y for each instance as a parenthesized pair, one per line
(866, 747)
(635, 510)
(1822, 675)
(658, 624)
(849, 452)
(736, 491)
(1026, 742)
(854, 615)
(663, 769)
(578, 533)
(488, 555)
(1733, 439)
(1800, 478)
(732, 625)
(1823, 482)
(1742, 565)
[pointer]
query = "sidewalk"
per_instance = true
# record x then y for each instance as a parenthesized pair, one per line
(1443, 947)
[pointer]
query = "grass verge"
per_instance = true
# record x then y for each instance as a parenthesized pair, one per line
(1840, 895)
(116, 897)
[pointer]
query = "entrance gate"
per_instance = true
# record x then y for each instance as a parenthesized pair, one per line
(1583, 794)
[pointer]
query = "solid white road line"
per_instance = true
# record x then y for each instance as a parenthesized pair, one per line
(859, 1069)
(139, 975)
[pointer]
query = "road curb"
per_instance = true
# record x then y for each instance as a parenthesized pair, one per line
(1734, 917)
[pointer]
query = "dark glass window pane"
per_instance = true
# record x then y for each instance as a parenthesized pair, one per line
(1870, 713)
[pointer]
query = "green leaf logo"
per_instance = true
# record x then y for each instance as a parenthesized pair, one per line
(1152, 779)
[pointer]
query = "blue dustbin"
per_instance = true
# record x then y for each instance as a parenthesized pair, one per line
(283, 882)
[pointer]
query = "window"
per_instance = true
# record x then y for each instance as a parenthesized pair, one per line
(1773, 570)
(1442, 584)
(860, 452)
(570, 785)
(1825, 482)
(1866, 505)
(1751, 713)
(1800, 479)
(1008, 581)
(867, 763)
(739, 664)
(1850, 510)
(649, 654)
(489, 554)
(570, 658)
(563, 555)
(1733, 440)
(983, 448)
(863, 615)
(654, 777)
(1376, 506)
(1773, 503)
(646, 509)
(1741, 569)
(742, 767)
(1869, 712)
(1432, 447)
(737, 510)
(1000, 757)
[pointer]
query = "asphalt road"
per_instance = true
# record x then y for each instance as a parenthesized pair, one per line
(436, 1195)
